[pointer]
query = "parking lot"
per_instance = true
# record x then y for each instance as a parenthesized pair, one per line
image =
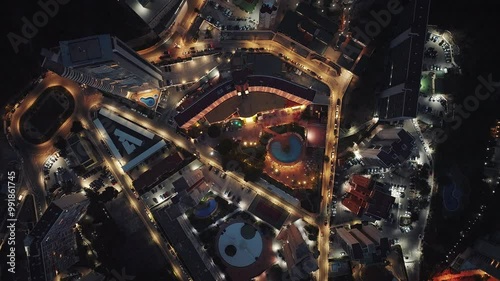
(98, 178)
(438, 54)
(181, 73)
(229, 188)
(55, 165)
(226, 16)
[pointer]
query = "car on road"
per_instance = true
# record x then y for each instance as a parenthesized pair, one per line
(155, 200)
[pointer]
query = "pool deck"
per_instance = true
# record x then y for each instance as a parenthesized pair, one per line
(284, 140)
(294, 174)
(146, 94)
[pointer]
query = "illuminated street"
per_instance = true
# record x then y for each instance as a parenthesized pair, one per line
(253, 140)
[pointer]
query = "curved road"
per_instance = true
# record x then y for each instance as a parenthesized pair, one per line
(35, 155)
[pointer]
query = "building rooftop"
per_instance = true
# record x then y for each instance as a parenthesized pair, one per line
(155, 174)
(56, 222)
(305, 32)
(390, 147)
(157, 14)
(311, 13)
(183, 246)
(227, 90)
(366, 198)
(404, 71)
(89, 50)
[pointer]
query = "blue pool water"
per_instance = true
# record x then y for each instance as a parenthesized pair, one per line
(290, 156)
(207, 210)
(149, 101)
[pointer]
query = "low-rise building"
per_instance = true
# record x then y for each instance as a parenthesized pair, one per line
(83, 152)
(367, 197)
(299, 259)
(389, 148)
(483, 256)
(363, 243)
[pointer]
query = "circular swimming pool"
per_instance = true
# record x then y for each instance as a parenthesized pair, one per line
(286, 148)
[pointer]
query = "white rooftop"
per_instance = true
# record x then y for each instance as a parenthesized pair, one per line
(237, 250)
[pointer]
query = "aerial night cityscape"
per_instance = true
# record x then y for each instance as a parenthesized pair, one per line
(250, 140)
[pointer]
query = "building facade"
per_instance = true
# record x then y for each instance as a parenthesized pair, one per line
(368, 198)
(267, 13)
(398, 101)
(389, 148)
(103, 62)
(51, 245)
(299, 259)
(363, 243)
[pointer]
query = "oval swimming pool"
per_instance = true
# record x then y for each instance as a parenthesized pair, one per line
(287, 156)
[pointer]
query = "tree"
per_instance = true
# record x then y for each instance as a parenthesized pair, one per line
(77, 127)
(326, 159)
(60, 143)
(225, 146)
(423, 187)
(91, 195)
(214, 131)
(108, 194)
(251, 173)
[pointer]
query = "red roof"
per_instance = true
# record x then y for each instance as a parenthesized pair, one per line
(354, 204)
(363, 198)
(148, 178)
(361, 181)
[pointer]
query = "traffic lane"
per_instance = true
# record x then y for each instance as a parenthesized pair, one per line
(204, 154)
(138, 206)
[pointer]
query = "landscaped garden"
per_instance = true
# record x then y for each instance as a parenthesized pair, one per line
(223, 208)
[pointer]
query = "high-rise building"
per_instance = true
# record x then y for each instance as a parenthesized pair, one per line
(398, 101)
(51, 245)
(103, 62)
(160, 15)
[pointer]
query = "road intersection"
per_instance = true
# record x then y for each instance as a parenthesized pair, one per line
(86, 100)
